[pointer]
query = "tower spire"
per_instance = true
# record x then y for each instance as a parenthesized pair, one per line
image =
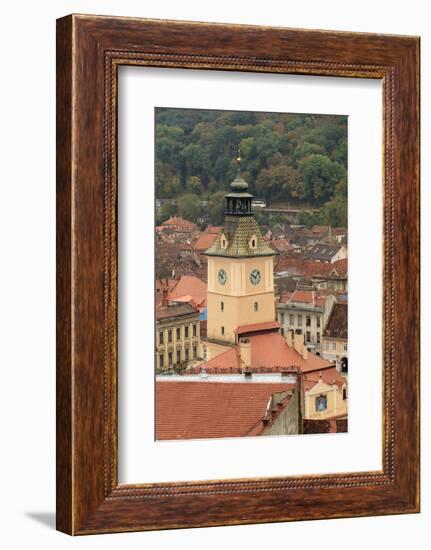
(238, 160)
(238, 201)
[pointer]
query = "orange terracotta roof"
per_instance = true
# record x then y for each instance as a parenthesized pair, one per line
(315, 363)
(341, 267)
(255, 327)
(272, 350)
(179, 223)
(307, 297)
(281, 245)
(227, 361)
(214, 229)
(320, 229)
(196, 410)
(269, 353)
(190, 286)
(311, 268)
(204, 241)
(328, 376)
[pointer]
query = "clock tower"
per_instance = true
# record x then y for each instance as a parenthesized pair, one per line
(240, 270)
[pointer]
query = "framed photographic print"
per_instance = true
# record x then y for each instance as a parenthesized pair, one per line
(237, 274)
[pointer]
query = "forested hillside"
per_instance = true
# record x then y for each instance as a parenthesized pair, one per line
(296, 159)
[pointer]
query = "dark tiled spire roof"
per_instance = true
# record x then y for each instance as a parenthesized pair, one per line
(238, 232)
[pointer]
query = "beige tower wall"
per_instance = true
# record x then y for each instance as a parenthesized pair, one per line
(238, 295)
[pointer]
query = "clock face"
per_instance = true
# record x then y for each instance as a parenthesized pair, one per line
(222, 276)
(255, 277)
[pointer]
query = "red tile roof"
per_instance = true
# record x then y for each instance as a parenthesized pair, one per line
(195, 410)
(329, 375)
(272, 350)
(311, 268)
(228, 361)
(214, 229)
(179, 224)
(281, 245)
(269, 353)
(307, 297)
(255, 327)
(340, 267)
(191, 287)
(204, 241)
(320, 230)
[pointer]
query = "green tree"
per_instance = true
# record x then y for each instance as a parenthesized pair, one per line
(320, 175)
(216, 208)
(194, 144)
(167, 210)
(189, 207)
(308, 219)
(279, 181)
(194, 185)
(305, 149)
(334, 212)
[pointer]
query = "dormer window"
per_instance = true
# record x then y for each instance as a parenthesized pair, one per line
(252, 243)
(223, 242)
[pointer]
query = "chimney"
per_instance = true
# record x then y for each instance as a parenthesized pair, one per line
(245, 352)
(165, 301)
(283, 296)
(298, 341)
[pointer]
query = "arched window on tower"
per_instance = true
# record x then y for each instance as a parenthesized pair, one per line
(221, 306)
(256, 306)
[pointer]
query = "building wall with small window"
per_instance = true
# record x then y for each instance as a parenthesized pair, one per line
(335, 349)
(178, 342)
(325, 401)
(310, 323)
(310, 320)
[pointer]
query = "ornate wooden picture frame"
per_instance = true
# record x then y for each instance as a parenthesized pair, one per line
(89, 51)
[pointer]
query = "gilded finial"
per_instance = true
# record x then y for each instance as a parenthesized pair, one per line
(238, 159)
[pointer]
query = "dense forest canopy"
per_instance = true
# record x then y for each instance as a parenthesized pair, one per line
(295, 159)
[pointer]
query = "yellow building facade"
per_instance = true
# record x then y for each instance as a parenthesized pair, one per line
(177, 337)
(324, 401)
(237, 301)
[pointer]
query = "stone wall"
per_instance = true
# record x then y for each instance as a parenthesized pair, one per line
(287, 422)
